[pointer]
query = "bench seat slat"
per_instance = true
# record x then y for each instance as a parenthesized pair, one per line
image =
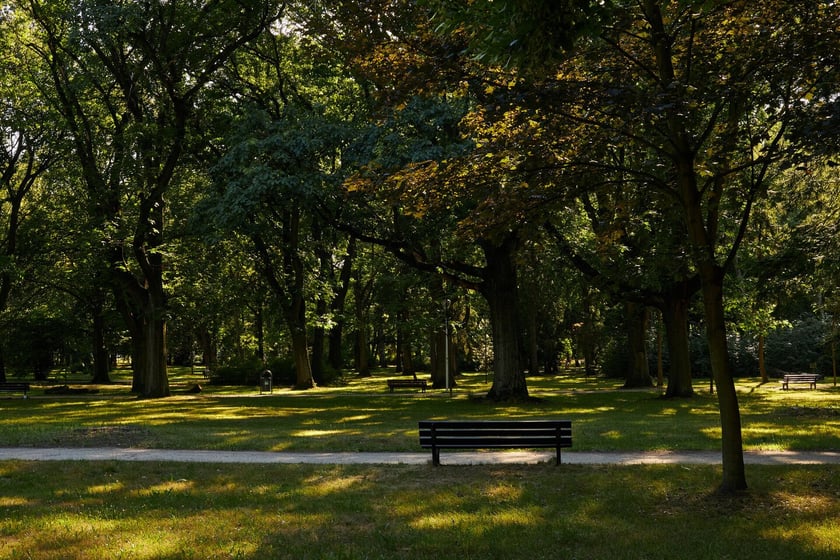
(804, 378)
(494, 434)
(15, 387)
(401, 383)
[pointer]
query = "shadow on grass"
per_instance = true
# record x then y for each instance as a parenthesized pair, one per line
(95, 510)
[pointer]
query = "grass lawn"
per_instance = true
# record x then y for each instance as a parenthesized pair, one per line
(362, 415)
(177, 510)
(197, 511)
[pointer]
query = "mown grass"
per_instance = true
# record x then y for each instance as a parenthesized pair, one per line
(197, 511)
(362, 416)
(97, 510)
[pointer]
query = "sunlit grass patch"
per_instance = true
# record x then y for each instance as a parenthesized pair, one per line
(361, 415)
(149, 510)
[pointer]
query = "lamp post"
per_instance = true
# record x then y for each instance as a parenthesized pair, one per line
(446, 343)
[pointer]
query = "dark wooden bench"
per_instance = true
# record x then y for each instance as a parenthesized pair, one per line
(801, 378)
(15, 388)
(494, 434)
(403, 383)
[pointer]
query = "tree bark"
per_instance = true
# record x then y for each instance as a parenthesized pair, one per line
(701, 221)
(762, 366)
(734, 475)
(101, 362)
(638, 374)
(362, 347)
(500, 289)
(675, 318)
(533, 343)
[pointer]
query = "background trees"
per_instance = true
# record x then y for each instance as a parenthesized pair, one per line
(127, 79)
(225, 169)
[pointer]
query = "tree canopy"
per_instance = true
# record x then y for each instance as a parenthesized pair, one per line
(332, 184)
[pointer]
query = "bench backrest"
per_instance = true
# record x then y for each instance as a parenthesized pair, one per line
(455, 434)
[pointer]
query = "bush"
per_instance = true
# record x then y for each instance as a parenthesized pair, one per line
(282, 371)
(245, 373)
(799, 347)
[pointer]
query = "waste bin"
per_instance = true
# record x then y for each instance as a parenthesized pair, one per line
(265, 382)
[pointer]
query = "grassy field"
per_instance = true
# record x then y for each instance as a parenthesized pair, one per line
(362, 416)
(98, 510)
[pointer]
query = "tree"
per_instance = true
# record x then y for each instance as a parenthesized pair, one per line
(127, 78)
(30, 145)
(709, 90)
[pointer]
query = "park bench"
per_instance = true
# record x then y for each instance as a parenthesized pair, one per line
(15, 388)
(494, 434)
(802, 378)
(403, 383)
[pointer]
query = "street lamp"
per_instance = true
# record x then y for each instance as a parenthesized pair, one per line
(446, 304)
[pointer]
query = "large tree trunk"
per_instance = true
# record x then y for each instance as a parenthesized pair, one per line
(335, 347)
(101, 361)
(296, 321)
(404, 352)
(209, 353)
(147, 329)
(675, 318)
(303, 369)
(638, 374)
(155, 375)
(500, 289)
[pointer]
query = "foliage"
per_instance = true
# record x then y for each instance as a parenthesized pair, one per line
(800, 346)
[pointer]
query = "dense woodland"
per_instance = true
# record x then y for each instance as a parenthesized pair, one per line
(647, 189)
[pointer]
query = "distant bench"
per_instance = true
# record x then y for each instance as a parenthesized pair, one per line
(800, 378)
(15, 388)
(403, 383)
(494, 434)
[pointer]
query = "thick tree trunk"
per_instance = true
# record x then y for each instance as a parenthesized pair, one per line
(208, 349)
(296, 321)
(101, 362)
(155, 375)
(143, 310)
(675, 318)
(303, 369)
(318, 342)
(500, 289)
(638, 374)
(335, 351)
(404, 353)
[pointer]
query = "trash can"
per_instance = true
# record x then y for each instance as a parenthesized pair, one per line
(265, 382)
